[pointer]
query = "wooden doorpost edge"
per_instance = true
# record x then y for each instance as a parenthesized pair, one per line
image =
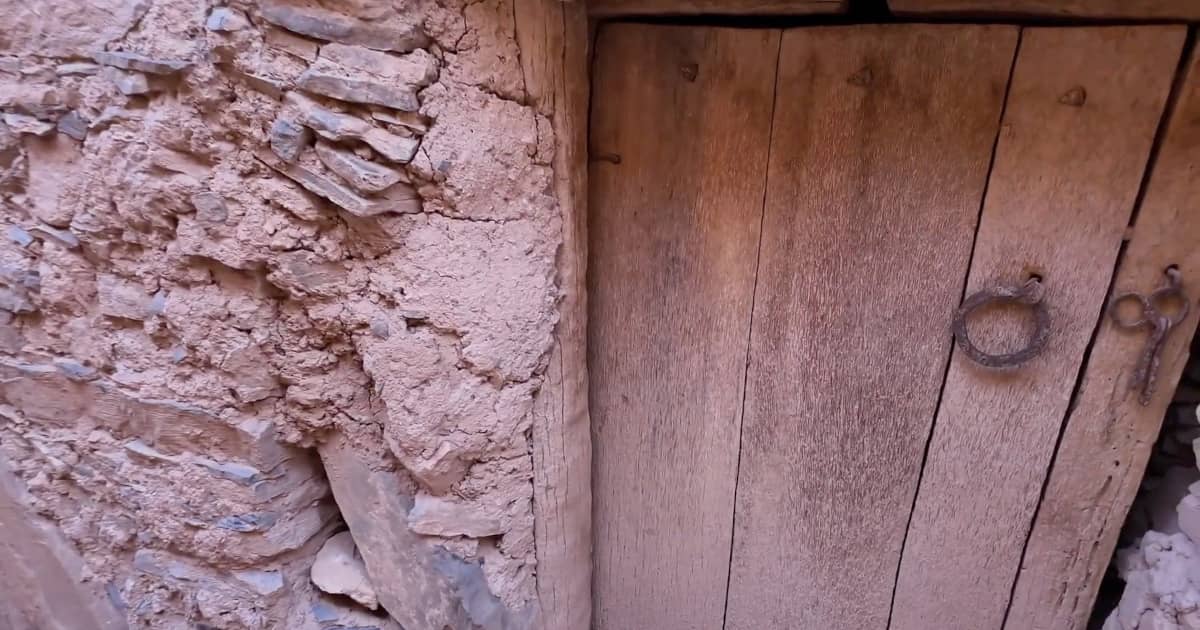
(552, 36)
(1109, 435)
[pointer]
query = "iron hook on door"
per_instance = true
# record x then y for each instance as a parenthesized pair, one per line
(1028, 294)
(1152, 315)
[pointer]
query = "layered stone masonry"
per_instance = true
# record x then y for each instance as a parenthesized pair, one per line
(235, 233)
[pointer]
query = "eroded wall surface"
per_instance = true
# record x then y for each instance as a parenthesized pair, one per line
(269, 269)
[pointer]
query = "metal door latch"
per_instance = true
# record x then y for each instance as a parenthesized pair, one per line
(1152, 315)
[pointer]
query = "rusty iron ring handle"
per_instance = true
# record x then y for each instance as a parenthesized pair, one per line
(1029, 294)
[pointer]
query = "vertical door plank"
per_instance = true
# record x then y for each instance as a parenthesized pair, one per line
(680, 132)
(1081, 116)
(1109, 435)
(880, 150)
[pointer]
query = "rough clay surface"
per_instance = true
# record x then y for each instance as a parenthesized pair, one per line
(232, 231)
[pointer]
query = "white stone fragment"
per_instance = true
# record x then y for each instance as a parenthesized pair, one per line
(339, 570)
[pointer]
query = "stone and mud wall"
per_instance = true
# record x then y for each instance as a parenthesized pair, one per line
(270, 270)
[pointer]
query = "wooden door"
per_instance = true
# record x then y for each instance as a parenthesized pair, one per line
(782, 226)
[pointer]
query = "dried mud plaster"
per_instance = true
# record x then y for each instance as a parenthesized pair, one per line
(270, 270)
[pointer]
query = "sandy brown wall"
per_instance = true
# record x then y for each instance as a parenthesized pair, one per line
(270, 268)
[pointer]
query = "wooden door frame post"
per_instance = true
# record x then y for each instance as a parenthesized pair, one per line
(552, 36)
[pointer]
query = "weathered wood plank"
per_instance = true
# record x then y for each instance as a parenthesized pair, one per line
(553, 38)
(1080, 119)
(613, 8)
(1111, 9)
(1109, 435)
(880, 150)
(680, 131)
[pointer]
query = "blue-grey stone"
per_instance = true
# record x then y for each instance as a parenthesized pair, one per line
(224, 19)
(18, 236)
(246, 523)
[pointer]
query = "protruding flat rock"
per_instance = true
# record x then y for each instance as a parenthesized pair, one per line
(361, 75)
(319, 23)
(336, 126)
(139, 63)
(362, 175)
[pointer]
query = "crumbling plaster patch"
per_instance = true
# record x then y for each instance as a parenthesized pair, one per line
(234, 231)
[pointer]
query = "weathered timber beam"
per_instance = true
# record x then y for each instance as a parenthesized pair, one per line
(553, 38)
(1092, 9)
(611, 8)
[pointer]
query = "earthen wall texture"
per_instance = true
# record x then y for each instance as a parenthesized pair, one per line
(234, 235)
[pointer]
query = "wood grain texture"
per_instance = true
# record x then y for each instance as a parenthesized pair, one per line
(882, 138)
(553, 38)
(674, 231)
(1066, 174)
(614, 8)
(1112, 9)
(1109, 436)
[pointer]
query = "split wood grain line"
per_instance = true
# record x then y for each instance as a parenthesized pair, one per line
(1081, 115)
(1109, 435)
(1107, 9)
(881, 144)
(680, 132)
(553, 38)
(612, 8)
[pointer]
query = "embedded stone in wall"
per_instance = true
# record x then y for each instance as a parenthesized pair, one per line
(442, 516)
(335, 126)
(262, 582)
(73, 125)
(311, 20)
(81, 68)
(122, 298)
(287, 42)
(363, 175)
(225, 19)
(339, 195)
(339, 570)
(52, 164)
(401, 565)
(210, 207)
(129, 83)
(23, 124)
(361, 75)
(288, 139)
(45, 394)
(139, 63)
